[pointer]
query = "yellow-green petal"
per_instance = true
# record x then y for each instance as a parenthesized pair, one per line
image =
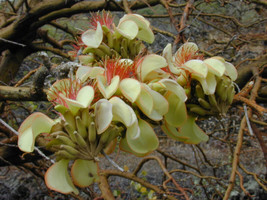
(175, 88)
(197, 68)
(177, 113)
(215, 66)
(150, 63)
(57, 178)
(130, 88)
(128, 29)
(32, 126)
(103, 115)
(145, 101)
(122, 112)
(93, 38)
(84, 172)
(107, 90)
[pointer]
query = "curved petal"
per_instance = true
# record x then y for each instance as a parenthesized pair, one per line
(57, 178)
(172, 132)
(103, 115)
(147, 140)
(193, 132)
(175, 88)
(128, 29)
(146, 35)
(138, 19)
(177, 113)
(122, 112)
(148, 64)
(84, 172)
(93, 38)
(107, 90)
(230, 71)
(145, 101)
(85, 96)
(82, 73)
(32, 126)
(208, 84)
(197, 68)
(86, 59)
(167, 54)
(160, 106)
(215, 66)
(130, 88)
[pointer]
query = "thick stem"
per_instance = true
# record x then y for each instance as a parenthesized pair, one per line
(104, 187)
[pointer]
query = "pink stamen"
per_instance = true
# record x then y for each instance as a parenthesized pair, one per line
(66, 87)
(122, 69)
(105, 18)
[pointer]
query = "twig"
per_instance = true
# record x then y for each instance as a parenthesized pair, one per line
(111, 161)
(12, 42)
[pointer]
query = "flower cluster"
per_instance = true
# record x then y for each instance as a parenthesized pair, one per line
(120, 93)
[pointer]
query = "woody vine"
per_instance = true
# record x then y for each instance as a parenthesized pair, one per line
(119, 93)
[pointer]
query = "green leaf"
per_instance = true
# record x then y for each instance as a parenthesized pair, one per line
(32, 126)
(103, 115)
(107, 90)
(86, 59)
(93, 38)
(177, 113)
(122, 112)
(57, 178)
(130, 88)
(84, 172)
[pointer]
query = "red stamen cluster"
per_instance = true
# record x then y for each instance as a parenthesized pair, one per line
(105, 18)
(186, 54)
(67, 87)
(123, 69)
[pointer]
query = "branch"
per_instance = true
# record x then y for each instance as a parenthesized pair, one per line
(21, 94)
(127, 175)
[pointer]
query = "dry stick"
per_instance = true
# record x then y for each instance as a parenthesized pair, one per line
(164, 170)
(250, 103)
(255, 177)
(241, 184)
(131, 176)
(240, 139)
(26, 77)
(185, 15)
(126, 6)
(177, 160)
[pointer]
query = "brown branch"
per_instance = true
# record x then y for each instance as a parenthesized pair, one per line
(126, 6)
(197, 175)
(165, 171)
(241, 183)
(163, 32)
(250, 103)
(131, 176)
(25, 77)
(182, 24)
(255, 177)
(21, 94)
(240, 137)
(51, 49)
(104, 187)
(63, 28)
